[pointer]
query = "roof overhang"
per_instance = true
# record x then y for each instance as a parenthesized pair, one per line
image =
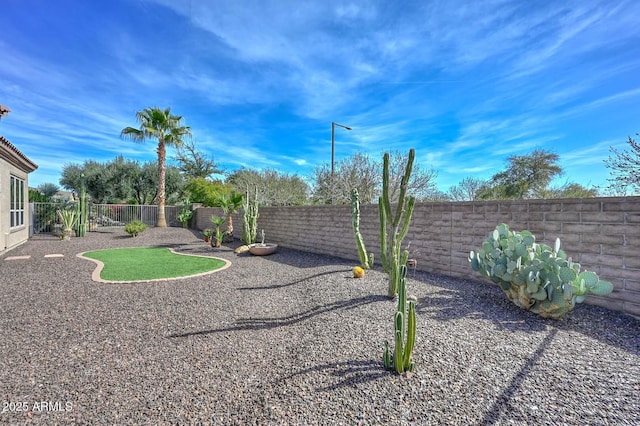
(10, 153)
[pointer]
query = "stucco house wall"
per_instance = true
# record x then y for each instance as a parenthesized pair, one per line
(13, 164)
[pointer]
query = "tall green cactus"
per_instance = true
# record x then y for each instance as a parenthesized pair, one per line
(405, 331)
(81, 227)
(250, 218)
(366, 260)
(394, 227)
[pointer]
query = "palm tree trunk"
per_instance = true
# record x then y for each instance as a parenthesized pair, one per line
(229, 234)
(162, 156)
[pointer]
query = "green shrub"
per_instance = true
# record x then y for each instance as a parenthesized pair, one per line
(534, 276)
(134, 228)
(185, 214)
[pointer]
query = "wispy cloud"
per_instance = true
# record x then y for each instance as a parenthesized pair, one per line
(465, 83)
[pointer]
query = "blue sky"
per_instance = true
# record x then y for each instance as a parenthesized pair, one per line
(465, 83)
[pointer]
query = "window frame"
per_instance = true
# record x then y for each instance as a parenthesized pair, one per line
(16, 202)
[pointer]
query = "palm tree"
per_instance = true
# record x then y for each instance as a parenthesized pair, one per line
(159, 124)
(229, 206)
(219, 235)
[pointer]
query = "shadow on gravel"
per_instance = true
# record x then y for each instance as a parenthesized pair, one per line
(449, 305)
(350, 372)
(504, 402)
(483, 301)
(302, 259)
(301, 280)
(274, 322)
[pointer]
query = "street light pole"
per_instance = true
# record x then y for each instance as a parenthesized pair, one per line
(333, 150)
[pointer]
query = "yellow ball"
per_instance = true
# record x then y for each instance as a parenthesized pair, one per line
(358, 272)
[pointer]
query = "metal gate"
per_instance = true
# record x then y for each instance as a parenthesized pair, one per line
(44, 216)
(107, 215)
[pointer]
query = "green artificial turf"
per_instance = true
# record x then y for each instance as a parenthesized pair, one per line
(137, 264)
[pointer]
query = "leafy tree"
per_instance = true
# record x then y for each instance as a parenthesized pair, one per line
(70, 177)
(43, 193)
(274, 188)
(435, 196)
(144, 184)
(195, 164)
(569, 190)
(48, 189)
(525, 177)
(121, 180)
(625, 167)
(35, 196)
(97, 184)
(575, 190)
(116, 178)
(201, 190)
(159, 124)
(466, 190)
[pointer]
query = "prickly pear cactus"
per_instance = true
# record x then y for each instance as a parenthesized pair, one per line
(535, 276)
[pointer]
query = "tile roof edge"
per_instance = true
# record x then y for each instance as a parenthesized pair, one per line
(30, 165)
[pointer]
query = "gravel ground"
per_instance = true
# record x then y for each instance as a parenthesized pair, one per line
(292, 339)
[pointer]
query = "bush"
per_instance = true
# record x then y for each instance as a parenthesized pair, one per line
(134, 228)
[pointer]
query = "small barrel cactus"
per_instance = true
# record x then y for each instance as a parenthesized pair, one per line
(535, 276)
(358, 272)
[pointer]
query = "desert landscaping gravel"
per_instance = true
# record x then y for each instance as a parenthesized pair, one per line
(293, 339)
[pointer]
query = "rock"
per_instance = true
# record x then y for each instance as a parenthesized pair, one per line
(241, 249)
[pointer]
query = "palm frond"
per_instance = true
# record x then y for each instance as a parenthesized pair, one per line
(133, 134)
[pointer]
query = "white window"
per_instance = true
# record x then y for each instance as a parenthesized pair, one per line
(16, 209)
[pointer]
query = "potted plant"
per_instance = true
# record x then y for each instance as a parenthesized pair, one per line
(207, 233)
(219, 235)
(262, 248)
(68, 219)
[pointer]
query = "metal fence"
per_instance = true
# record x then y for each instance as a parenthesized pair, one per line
(44, 216)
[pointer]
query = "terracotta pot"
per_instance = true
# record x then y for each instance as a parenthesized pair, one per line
(263, 250)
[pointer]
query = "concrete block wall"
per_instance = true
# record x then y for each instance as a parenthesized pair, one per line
(602, 234)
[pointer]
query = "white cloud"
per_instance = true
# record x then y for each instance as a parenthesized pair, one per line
(465, 83)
